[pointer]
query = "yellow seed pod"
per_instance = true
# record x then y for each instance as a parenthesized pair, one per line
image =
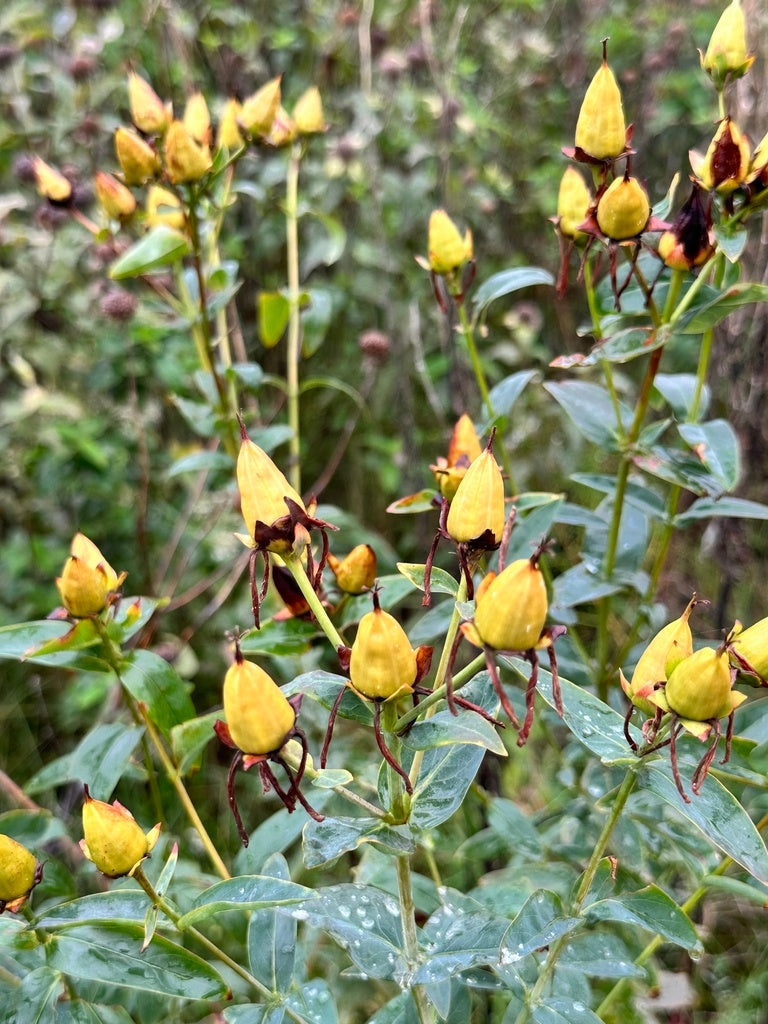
(115, 199)
(258, 714)
(464, 441)
(478, 504)
(751, 645)
(113, 840)
(623, 209)
(699, 688)
(283, 130)
(164, 207)
(511, 612)
(138, 161)
(229, 136)
(263, 490)
(447, 249)
(185, 159)
(357, 572)
(51, 184)
(671, 645)
(18, 868)
(382, 664)
(258, 111)
(573, 202)
(87, 579)
(197, 119)
(727, 161)
(600, 128)
(308, 112)
(148, 112)
(726, 57)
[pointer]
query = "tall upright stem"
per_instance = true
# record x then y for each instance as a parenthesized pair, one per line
(294, 322)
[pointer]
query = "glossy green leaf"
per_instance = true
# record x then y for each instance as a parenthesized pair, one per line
(279, 637)
(590, 409)
(400, 1010)
(22, 642)
(441, 581)
(99, 760)
(540, 921)
(201, 461)
(250, 376)
(717, 445)
(274, 314)
(621, 347)
(255, 1013)
(506, 282)
(421, 501)
(152, 681)
(329, 778)
(457, 940)
(314, 1001)
(678, 467)
(116, 905)
(636, 494)
(392, 590)
(446, 775)
(323, 250)
(581, 584)
(504, 395)
(716, 813)
(111, 954)
(33, 1002)
(134, 612)
(324, 688)
(726, 507)
(190, 738)
(160, 246)
(78, 1011)
(563, 1011)
(245, 892)
(444, 728)
(326, 840)
(731, 241)
(649, 908)
(600, 954)
(169, 869)
(366, 923)
(704, 317)
(679, 390)
(272, 937)
(31, 828)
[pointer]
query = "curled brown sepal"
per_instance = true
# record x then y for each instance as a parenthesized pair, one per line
(386, 753)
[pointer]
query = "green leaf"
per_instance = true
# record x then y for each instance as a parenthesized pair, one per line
(199, 416)
(316, 320)
(563, 1011)
(400, 1010)
(134, 612)
(716, 813)
(579, 585)
(323, 250)
(678, 467)
(600, 955)
(250, 375)
(531, 527)
(540, 921)
(325, 841)
(111, 954)
(392, 590)
(444, 728)
(31, 828)
(78, 1011)
(314, 1001)
(707, 508)
(117, 905)
(255, 1013)
(152, 681)
(324, 688)
(190, 738)
(21, 641)
(506, 282)
(458, 939)
(272, 937)
(441, 582)
(422, 501)
(637, 495)
(329, 778)
(679, 390)
(591, 410)
(709, 315)
(717, 445)
(446, 775)
(504, 395)
(649, 908)
(279, 637)
(333, 384)
(274, 314)
(622, 347)
(160, 246)
(245, 892)
(366, 922)
(732, 241)
(99, 760)
(202, 461)
(35, 998)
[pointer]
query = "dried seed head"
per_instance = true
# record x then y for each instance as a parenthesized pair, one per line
(726, 57)
(115, 199)
(477, 509)
(113, 840)
(258, 715)
(118, 304)
(87, 580)
(600, 128)
(185, 159)
(511, 612)
(19, 872)
(148, 112)
(138, 161)
(382, 663)
(573, 202)
(375, 345)
(357, 572)
(447, 249)
(689, 241)
(623, 209)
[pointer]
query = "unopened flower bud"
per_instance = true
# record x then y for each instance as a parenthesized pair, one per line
(510, 613)
(308, 112)
(699, 688)
(623, 209)
(382, 664)
(164, 207)
(573, 202)
(148, 112)
(19, 873)
(257, 712)
(197, 120)
(357, 572)
(138, 161)
(726, 57)
(477, 509)
(115, 199)
(758, 165)
(263, 490)
(671, 645)
(293, 753)
(463, 449)
(751, 646)
(87, 579)
(689, 241)
(229, 135)
(600, 128)
(258, 111)
(51, 184)
(113, 840)
(726, 163)
(185, 159)
(283, 130)
(447, 249)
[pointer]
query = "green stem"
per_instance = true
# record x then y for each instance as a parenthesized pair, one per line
(296, 566)
(410, 935)
(294, 322)
(556, 949)
(438, 693)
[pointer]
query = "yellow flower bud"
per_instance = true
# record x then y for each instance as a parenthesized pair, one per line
(623, 209)
(463, 449)
(51, 184)
(382, 664)
(726, 57)
(308, 112)
(164, 207)
(263, 490)
(113, 840)
(283, 129)
(258, 715)
(116, 200)
(148, 112)
(666, 650)
(573, 202)
(185, 159)
(447, 249)
(726, 163)
(138, 161)
(87, 579)
(229, 134)
(258, 111)
(19, 873)
(699, 688)
(510, 613)
(751, 646)
(197, 120)
(477, 508)
(357, 572)
(600, 128)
